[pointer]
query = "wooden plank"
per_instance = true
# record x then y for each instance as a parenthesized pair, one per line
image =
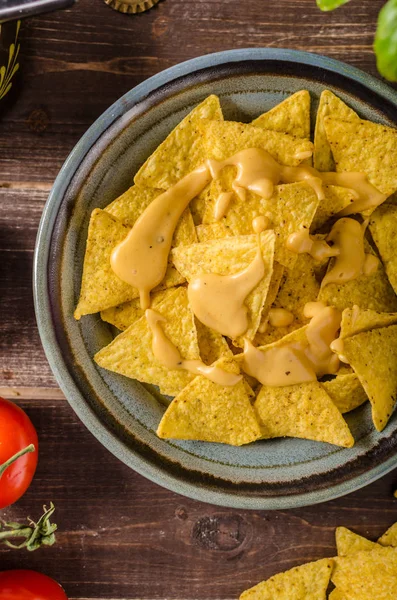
(22, 361)
(31, 393)
(121, 536)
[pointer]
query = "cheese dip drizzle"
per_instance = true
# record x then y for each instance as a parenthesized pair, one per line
(141, 258)
(296, 362)
(218, 301)
(168, 354)
(259, 172)
(347, 238)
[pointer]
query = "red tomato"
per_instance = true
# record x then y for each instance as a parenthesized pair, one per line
(29, 585)
(16, 434)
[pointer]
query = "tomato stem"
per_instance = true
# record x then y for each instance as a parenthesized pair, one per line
(10, 461)
(33, 535)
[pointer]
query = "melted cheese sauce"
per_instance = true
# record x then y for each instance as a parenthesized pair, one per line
(168, 354)
(295, 362)
(141, 258)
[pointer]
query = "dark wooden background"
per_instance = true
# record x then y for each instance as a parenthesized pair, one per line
(121, 536)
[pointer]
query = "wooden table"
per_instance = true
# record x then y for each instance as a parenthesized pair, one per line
(121, 536)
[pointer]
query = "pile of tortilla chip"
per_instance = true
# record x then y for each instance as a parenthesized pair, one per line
(362, 570)
(246, 412)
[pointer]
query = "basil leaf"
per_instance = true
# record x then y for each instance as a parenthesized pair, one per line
(330, 4)
(385, 45)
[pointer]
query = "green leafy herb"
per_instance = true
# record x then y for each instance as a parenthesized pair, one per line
(330, 4)
(33, 534)
(386, 41)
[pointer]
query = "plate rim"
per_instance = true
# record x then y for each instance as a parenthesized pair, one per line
(73, 395)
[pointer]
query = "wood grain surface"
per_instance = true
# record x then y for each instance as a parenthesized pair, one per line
(120, 536)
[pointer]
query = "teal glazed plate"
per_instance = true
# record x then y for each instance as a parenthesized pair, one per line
(123, 414)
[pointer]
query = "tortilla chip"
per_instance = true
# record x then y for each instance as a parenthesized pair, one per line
(181, 152)
(306, 582)
(130, 353)
(334, 106)
(291, 208)
(383, 228)
(222, 139)
(348, 542)
(373, 356)
(303, 411)
(210, 412)
(367, 575)
(336, 595)
(212, 344)
(298, 335)
(274, 286)
(212, 231)
(198, 204)
(124, 315)
(299, 286)
(366, 147)
(100, 286)
(345, 391)
(372, 292)
(128, 207)
(291, 116)
(355, 320)
(389, 538)
(336, 199)
(227, 256)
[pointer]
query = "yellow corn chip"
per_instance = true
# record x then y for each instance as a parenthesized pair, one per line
(300, 286)
(367, 575)
(336, 199)
(366, 147)
(291, 116)
(228, 256)
(307, 582)
(297, 335)
(330, 105)
(383, 227)
(130, 353)
(291, 208)
(212, 231)
(303, 411)
(348, 542)
(274, 286)
(355, 320)
(181, 152)
(373, 356)
(345, 391)
(389, 538)
(124, 315)
(198, 204)
(210, 412)
(372, 292)
(212, 344)
(130, 205)
(336, 595)
(100, 286)
(222, 139)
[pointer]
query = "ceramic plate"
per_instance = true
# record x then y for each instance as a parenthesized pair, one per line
(124, 414)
